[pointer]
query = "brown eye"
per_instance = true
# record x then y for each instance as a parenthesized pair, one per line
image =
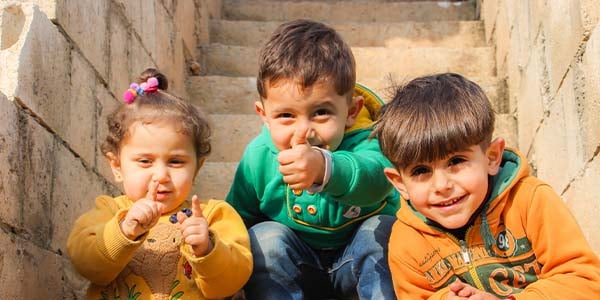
(419, 170)
(455, 161)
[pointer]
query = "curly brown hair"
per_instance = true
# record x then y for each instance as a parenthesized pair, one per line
(154, 106)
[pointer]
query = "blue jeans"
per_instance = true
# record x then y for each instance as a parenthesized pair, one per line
(285, 267)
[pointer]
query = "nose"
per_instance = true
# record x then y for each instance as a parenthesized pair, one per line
(301, 129)
(161, 173)
(441, 181)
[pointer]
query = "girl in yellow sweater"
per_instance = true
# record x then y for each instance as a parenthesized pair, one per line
(149, 243)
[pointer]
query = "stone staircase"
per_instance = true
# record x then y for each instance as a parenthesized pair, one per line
(392, 41)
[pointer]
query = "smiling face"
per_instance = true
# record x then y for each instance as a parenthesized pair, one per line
(448, 191)
(317, 110)
(156, 151)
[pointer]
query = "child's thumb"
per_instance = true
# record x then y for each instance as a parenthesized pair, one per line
(300, 137)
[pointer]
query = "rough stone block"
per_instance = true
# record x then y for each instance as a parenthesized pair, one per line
(106, 105)
(139, 60)
(37, 52)
(20, 262)
(564, 34)
(489, 12)
(10, 156)
(530, 108)
(590, 13)
(502, 39)
(558, 137)
(85, 22)
(75, 187)
(582, 199)
(506, 128)
(30, 272)
(184, 16)
(80, 119)
(154, 26)
(47, 6)
(27, 153)
(173, 66)
(589, 108)
(122, 39)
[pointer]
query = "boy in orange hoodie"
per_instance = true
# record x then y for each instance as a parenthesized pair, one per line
(479, 226)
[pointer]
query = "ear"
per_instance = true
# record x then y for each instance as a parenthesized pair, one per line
(396, 180)
(355, 106)
(115, 165)
(259, 107)
(494, 154)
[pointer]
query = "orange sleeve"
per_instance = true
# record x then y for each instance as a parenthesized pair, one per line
(570, 269)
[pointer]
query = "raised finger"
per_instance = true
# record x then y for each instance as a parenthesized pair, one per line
(196, 210)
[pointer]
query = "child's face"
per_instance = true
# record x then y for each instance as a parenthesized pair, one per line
(156, 151)
(317, 111)
(450, 190)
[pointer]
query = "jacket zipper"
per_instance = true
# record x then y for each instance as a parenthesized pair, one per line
(464, 251)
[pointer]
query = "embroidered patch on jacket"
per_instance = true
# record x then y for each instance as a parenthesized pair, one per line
(352, 212)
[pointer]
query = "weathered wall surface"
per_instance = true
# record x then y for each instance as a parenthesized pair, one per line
(549, 51)
(63, 67)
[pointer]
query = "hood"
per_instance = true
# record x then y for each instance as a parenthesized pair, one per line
(370, 110)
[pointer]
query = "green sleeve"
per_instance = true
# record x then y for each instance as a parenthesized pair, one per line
(242, 194)
(357, 176)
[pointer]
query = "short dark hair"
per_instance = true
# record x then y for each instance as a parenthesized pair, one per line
(433, 116)
(307, 51)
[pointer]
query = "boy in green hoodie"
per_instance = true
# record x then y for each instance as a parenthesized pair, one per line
(311, 186)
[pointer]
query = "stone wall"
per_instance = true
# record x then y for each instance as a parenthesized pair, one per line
(64, 65)
(549, 51)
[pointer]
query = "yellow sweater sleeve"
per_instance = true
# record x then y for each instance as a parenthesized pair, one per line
(96, 246)
(228, 266)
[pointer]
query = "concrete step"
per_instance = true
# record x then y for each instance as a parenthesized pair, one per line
(215, 177)
(236, 95)
(450, 34)
(371, 62)
(231, 133)
(348, 11)
(223, 94)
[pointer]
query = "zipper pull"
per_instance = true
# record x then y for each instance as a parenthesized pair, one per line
(465, 252)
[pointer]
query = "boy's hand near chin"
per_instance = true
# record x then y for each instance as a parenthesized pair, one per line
(143, 214)
(461, 290)
(301, 166)
(194, 230)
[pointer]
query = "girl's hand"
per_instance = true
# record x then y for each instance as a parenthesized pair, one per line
(194, 230)
(301, 166)
(142, 215)
(463, 291)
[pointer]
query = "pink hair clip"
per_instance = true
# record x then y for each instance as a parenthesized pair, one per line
(151, 85)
